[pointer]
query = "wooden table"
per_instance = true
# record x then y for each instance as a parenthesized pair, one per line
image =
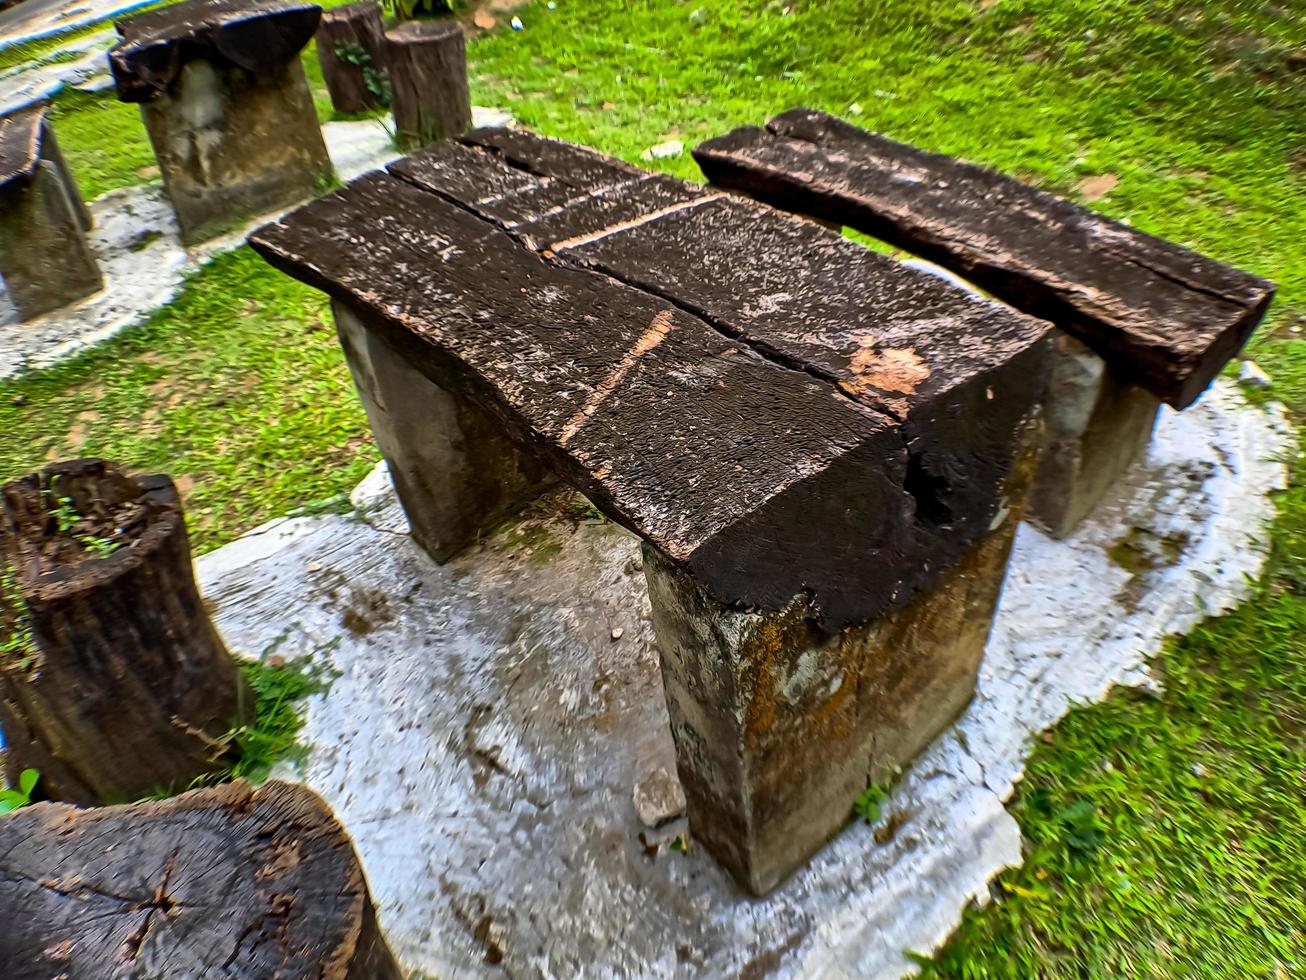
(821, 448)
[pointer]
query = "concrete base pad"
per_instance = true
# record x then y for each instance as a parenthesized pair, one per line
(483, 732)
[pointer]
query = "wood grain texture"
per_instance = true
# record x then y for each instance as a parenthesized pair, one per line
(119, 686)
(1165, 318)
(689, 439)
(232, 881)
(257, 35)
(956, 373)
(355, 27)
(713, 434)
(427, 61)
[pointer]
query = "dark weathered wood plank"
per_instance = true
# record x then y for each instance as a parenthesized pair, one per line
(1164, 317)
(536, 207)
(761, 480)
(257, 35)
(578, 166)
(20, 144)
(231, 881)
(956, 371)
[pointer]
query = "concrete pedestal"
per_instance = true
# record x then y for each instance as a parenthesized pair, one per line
(44, 257)
(456, 473)
(233, 143)
(779, 727)
(1096, 426)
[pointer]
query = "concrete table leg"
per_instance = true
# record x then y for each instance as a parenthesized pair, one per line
(456, 472)
(1096, 426)
(232, 144)
(779, 727)
(44, 257)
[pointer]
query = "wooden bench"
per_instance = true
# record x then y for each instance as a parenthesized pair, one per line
(226, 106)
(233, 881)
(1162, 319)
(44, 257)
(823, 450)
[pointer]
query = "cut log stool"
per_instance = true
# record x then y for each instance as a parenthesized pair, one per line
(113, 682)
(1154, 322)
(427, 61)
(232, 881)
(351, 51)
(226, 106)
(44, 257)
(820, 447)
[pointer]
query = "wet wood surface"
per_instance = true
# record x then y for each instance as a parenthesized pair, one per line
(231, 881)
(1163, 316)
(524, 271)
(256, 35)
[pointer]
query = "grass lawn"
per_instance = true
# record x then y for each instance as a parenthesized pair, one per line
(1166, 836)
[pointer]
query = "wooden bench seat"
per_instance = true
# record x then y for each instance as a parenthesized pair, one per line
(809, 437)
(1144, 320)
(44, 256)
(1168, 319)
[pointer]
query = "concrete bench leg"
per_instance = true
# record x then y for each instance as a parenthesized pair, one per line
(778, 727)
(1096, 427)
(232, 144)
(44, 257)
(456, 472)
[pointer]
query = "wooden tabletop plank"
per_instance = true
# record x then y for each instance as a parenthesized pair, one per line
(955, 370)
(762, 480)
(20, 143)
(1164, 317)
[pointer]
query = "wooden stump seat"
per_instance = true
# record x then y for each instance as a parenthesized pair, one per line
(226, 106)
(44, 257)
(351, 52)
(809, 437)
(234, 881)
(114, 684)
(1145, 321)
(427, 60)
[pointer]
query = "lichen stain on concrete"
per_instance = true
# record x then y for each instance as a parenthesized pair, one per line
(548, 849)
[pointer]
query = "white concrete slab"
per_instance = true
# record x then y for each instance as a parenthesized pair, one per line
(87, 69)
(484, 732)
(33, 19)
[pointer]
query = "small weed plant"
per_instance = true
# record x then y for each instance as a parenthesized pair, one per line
(20, 796)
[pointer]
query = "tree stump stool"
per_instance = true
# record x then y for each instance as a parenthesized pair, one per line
(427, 61)
(351, 51)
(231, 881)
(44, 257)
(1145, 321)
(823, 449)
(113, 682)
(226, 106)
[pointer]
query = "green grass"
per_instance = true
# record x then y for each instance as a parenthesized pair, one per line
(104, 142)
(1139, 864)
(237, 389)
(273, 735)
